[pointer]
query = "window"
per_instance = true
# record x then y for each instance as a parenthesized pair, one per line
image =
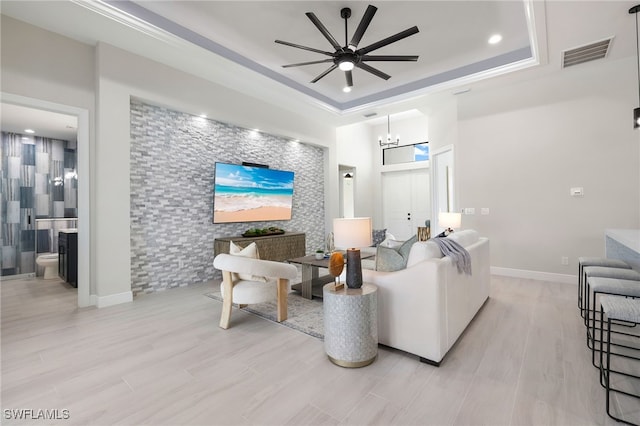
(406, 153)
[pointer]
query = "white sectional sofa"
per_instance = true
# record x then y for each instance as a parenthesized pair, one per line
(424, 308)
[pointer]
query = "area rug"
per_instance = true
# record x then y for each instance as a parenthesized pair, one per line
(303, 314)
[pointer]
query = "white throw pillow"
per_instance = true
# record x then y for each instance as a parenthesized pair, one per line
(422, 250)
(250, 251)
(465, 238)
(391, 243)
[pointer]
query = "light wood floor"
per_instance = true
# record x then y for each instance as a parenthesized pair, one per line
(163, 360)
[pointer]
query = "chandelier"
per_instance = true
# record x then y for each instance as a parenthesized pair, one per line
(389, 141)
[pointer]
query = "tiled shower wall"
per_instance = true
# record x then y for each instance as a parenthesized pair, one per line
(38, 181)
(173, 157)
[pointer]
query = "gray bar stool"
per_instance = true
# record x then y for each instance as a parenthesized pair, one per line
(594, 261)
(620, 309)
(605, 286)
(605, 272)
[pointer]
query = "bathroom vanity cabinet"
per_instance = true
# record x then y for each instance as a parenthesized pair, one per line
(68, 256)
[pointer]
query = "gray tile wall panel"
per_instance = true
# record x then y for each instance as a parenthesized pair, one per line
(32, 185)
(173, 156)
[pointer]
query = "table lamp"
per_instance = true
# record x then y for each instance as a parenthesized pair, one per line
(353, 232)
(449, 221)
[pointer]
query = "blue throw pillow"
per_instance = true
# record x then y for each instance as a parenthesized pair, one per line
(394, 259)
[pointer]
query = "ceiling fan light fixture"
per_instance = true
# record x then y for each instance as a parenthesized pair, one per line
(346, 65)
(348, 56)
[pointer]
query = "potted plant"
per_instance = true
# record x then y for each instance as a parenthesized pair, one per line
(319, 254)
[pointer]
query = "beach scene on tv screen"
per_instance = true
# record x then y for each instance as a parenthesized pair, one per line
(250, 194)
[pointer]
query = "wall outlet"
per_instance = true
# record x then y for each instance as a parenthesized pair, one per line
(180, 264)
(484, 210)
(469, 210)
(564, 260)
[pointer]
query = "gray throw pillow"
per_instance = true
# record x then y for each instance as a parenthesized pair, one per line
(394, 259)
(378, 236)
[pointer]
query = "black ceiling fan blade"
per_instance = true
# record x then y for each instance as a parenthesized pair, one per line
(392, 39)
(349, 77)
(311, 49)
(331, 68)
(373, 71)
(362, 26)
(323, 61)
(325, 32)
(406, 58)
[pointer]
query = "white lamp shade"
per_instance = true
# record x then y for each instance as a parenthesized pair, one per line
(449, 220)
(352, 232)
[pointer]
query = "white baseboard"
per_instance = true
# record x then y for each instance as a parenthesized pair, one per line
(535, 275)
(114, 299)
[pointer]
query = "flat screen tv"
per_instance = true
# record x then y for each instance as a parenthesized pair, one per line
(251, 194)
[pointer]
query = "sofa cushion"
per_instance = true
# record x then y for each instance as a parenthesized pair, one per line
(250, 251)
(422, 250)
(393, 259)
(465, 237)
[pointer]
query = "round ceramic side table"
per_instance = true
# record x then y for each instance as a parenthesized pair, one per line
(351, 325)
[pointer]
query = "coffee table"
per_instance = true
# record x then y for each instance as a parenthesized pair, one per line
(312, 282)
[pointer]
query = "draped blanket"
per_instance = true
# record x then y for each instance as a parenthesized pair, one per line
(456, 252)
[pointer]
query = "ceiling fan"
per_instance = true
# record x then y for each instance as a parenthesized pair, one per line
(349, 56)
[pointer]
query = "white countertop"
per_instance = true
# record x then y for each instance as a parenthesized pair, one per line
(627, 237)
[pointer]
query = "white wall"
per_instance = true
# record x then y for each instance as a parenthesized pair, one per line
(520, 149)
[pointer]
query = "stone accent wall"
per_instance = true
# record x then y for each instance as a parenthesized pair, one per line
(173, 158)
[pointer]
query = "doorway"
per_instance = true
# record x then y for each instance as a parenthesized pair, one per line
(442, 169)
(406, 201)
(83, 202)
(347, 176)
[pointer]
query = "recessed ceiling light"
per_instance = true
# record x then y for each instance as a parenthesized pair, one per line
(29, 131)
(495, 39)
(346, 89)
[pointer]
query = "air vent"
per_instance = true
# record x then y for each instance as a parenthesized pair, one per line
(586, 53)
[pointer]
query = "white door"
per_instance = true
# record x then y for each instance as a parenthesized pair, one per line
(406, 201)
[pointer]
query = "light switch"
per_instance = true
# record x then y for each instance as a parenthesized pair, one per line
(577, 192)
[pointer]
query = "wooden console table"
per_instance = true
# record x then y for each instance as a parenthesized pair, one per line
(271, 247)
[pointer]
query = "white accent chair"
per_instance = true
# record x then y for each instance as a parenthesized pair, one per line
(247, 281)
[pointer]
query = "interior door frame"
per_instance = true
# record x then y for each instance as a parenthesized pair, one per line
(441, 187)
(84, 217)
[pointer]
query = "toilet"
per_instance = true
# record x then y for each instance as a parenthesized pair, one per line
(49, 262)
